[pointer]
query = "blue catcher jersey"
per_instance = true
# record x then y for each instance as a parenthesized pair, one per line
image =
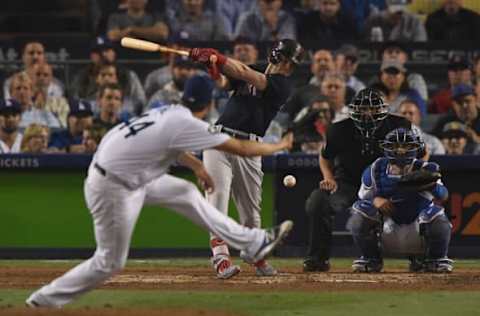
(377, 180)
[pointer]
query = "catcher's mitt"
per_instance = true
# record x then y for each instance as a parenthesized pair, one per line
(419, 180)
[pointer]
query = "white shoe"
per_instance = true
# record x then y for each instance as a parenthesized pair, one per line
(224, 268)
(273, 238)
(38, 301)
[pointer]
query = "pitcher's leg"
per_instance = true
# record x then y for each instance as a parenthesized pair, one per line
(184, 198)
(114, 216)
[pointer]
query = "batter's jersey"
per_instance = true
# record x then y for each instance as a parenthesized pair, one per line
(250, 110)
(344, 147)
(377, 180)
(142, 149)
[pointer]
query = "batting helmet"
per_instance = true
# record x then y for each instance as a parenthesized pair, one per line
(367, 110)
(286, 49)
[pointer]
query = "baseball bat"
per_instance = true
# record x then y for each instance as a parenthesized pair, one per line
(147, 46)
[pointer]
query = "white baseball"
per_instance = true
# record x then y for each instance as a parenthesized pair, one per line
(289, 181)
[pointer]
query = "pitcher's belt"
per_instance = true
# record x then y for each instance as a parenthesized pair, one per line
(235, 133)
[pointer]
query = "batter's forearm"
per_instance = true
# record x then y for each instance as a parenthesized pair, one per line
(190, 161)
(238, 70)
(326, 167)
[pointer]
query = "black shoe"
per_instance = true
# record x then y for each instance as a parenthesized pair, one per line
(440, 265)
(415, 265)
(367, 265)
(310, 265)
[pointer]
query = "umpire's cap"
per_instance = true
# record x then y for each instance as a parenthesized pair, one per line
(197, 93)
(286, 49)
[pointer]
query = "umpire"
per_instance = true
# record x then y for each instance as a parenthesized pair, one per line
(351, 145)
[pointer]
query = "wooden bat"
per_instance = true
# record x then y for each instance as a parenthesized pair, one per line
(147, 46)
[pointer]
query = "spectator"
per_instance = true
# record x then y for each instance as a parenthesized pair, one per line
(465, 111)
(35, 139)
(411, 111)
(346, 62)
(396, 24)
(245, 50)
(334, 87)
(86, 79)
(41, 75)
(10, 136)
(392, 78)
(34, 53)
(194, 23)
(268, 23)
(172, 92)
(360, 10)
(109, 101)
(230, 11)
(79, 118)
(327, 24)
(136, 22)
(459, 72)
(396, 52)
(108, 73)
(312, 122)
(21, 90)
(92, 137)
(456, 140)
(322, 63)
(161, 76)
(452, 22)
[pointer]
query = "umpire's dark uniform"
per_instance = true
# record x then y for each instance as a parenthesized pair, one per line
(349, 154)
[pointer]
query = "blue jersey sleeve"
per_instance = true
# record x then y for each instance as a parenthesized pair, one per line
(367, 189)
(439, 191)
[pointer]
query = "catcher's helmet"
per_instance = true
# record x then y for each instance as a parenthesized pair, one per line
(367, 110)
(286, 49)
(401, 146)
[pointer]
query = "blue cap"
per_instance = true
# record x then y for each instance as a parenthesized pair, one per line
(80, 108)
(100, 43)
(10, 106)
(461, 90)
(197, 92)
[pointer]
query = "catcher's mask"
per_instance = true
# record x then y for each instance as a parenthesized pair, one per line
(286, 49)
(367, 110)
(401, 146)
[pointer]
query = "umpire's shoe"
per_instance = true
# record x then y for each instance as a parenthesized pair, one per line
(273, 238)
(441, 265)
(312, 265)
(367, 265)
(224, 268)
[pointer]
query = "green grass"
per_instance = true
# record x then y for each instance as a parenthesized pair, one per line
(365, 303)
(275, 303)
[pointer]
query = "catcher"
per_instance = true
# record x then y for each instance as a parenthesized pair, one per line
(396, 209)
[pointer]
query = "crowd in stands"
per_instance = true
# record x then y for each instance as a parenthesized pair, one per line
(41, 114)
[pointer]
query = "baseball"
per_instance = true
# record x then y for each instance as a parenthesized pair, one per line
(289, 181)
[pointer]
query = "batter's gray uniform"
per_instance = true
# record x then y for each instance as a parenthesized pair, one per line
(128, 171)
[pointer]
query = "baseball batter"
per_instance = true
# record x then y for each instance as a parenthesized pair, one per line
(129, 170)
(255, 100)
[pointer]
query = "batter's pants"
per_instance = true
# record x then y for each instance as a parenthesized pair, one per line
(115, 210)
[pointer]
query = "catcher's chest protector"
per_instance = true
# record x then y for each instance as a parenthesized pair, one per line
(386, 184)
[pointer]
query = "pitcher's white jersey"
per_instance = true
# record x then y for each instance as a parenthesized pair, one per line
(144, 148)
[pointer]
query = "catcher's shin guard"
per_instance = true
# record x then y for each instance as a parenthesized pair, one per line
(366, 234)
(437, 237)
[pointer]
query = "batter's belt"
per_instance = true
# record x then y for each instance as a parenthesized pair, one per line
(235, 133)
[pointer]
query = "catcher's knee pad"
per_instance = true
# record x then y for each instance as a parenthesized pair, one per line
(317, 203)
(366, 209)
(437, 236)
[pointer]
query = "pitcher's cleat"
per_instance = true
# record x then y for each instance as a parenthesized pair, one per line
(273, 238)
(264, 269)
(224, 268)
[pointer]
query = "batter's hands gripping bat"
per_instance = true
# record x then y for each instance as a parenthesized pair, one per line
(148, 46)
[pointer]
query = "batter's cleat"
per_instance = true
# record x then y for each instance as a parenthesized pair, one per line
(311, 265)
(441, 265)
(365, 265)
(224, 268)
(273, 238)
(415, 265)
(264, 269)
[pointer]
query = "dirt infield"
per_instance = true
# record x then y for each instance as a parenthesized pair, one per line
(202, 278)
